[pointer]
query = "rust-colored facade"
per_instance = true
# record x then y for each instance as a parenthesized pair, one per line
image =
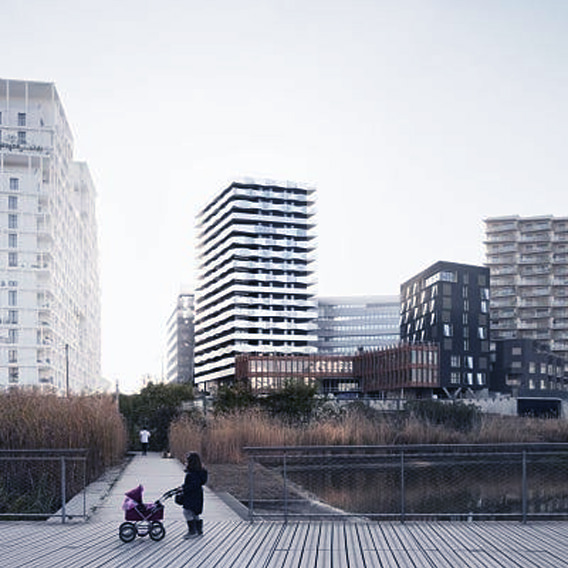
(267, 373)
(413, 366)
(409, 367)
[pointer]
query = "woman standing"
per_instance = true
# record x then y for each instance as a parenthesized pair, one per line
(195, 478)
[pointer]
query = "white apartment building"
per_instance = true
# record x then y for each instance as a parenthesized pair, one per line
(180, 341)
(49, 283)
(349, 324)
(528, 262)
(255, 277)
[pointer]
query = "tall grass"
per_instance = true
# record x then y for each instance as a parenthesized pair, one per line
(30, 420)
(220, 438)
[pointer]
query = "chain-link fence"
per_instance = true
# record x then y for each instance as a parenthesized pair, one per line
(457, 482)
(38, 484)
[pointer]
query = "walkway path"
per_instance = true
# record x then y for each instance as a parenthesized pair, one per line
(156, 475)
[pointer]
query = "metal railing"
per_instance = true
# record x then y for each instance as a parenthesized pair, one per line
(434, 482)
(38, 484)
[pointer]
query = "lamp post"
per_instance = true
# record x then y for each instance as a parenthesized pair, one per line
(67, 370)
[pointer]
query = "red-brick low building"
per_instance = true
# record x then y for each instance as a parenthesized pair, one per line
(412, 368)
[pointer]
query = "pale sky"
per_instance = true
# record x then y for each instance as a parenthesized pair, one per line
(415, 120)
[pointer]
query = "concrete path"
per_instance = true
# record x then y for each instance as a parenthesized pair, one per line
(157, 475)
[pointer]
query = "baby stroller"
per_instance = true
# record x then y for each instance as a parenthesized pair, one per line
(143, 519)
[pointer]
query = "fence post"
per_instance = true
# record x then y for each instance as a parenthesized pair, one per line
(525, 488)
(85, 488)
(285, 475)
(402, 489)
(251, 488)
(63, 490)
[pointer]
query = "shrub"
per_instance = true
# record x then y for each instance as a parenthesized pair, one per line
(456, 415)
(154, 408)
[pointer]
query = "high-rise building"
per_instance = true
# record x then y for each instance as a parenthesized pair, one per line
(180, 341)
(348, 324)
(255, 277)
(528, 260)
(49, 283)
(448, 304)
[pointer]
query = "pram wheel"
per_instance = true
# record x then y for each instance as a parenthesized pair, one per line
(157, 531)
(127, 532)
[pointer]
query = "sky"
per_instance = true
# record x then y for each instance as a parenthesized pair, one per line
(414, 119)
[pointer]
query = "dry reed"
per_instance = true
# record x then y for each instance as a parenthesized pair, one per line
(30, 420)
(220, 439)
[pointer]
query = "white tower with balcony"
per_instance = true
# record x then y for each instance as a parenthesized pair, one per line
(49, 283)
(255, 277)
(528, 261)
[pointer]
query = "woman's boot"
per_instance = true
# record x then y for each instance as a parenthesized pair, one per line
(191, 529)
(199, 526)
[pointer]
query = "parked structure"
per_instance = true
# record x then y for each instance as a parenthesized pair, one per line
(254, 293)
(448, 304)
(347, 324)
(528, 259)
(180, 341)
(49, 281)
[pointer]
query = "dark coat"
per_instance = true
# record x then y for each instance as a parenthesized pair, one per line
(193, 490)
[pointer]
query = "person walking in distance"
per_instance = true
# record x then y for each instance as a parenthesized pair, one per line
(195, 479)
(144, 440)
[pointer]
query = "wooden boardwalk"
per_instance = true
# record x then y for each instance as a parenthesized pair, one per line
(240, 544)
(230, 542)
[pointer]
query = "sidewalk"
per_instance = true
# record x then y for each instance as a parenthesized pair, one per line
(157, 475)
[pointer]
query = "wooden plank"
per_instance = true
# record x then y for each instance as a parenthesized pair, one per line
(298, 545)
(355, 557)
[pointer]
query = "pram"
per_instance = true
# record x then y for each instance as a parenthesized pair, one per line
(143, 519)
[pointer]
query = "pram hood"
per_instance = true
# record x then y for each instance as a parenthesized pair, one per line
(136, 494)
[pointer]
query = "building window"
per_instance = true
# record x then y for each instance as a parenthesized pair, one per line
(12, 259)
(543, 368)
(484, 306)
(21, 137)
(480, 379)
(12, 336)
(447, 344)
(448, 330)
(12, 221)
(482, 332)
(13, 317)
(455, 377)
(12, 297)
(13, 374)
(532, 367)
(14, 184)
(21, 119)
(13, 240)
(12, 202)
(531, 384)
(455, 360)
(469, 378)
(466, 344)
(12, 356)
(468, 362)
(517, 351)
